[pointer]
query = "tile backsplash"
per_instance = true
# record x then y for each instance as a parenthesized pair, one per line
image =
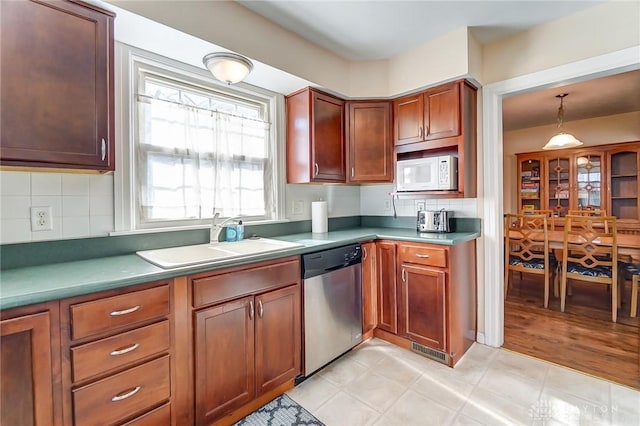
(81, 205)
(376, 201)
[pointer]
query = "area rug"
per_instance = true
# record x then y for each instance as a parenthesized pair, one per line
(282, 411)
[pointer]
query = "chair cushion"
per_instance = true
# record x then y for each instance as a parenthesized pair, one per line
(632, 268)
(598, 271)
(529, 264)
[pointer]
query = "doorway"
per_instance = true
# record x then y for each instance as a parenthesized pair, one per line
(613, 63)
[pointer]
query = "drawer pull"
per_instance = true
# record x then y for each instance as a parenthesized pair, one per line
(260, 309)
(126, 395)
(422, 256)
(404, 275)
(125, 350)
(124, 311)
(251, 311)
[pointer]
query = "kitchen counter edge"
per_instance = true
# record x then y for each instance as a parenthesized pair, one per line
(36, 284)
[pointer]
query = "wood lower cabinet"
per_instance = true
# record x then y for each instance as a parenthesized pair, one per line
(247, 328)
(386, 281)
(29, 366)
(433, 300)
(117, 354)
(58, 109)
(315, 137)
(369, 142)
(422, 305)
(369, 289)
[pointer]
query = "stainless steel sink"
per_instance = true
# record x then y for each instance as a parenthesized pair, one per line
(175, 257)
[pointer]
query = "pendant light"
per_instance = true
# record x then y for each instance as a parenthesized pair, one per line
(562, 139)
(228, 67)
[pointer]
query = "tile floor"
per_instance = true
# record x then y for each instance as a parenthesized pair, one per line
(382, 384)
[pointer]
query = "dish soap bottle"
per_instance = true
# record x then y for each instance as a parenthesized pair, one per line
(232, 232)
(240, 231)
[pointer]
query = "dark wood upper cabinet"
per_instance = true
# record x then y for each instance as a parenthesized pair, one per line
(315, 137)
(369, 142)
(57, 85)
(440, 121)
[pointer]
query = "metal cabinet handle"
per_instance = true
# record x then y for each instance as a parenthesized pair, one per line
(124, 311)
(316, 169)
(353, 172)
(426, 130)
(126, 395)
(420, 131)
(125, 350)
(364, 253)
(251, 311)
(404, 275)
(104, 149)
(260, 309)
(423, 256)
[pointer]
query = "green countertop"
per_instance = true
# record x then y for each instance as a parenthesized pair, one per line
(34, 284)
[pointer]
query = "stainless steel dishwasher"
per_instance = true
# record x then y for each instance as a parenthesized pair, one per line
(332, 287)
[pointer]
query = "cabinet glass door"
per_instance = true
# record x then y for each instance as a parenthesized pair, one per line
(624, 185)
(559, 185)
(589, 181)
(530, 189)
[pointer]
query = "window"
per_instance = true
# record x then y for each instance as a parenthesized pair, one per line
(196, 147)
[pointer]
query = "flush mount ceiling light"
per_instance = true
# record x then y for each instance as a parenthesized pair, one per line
(562, 139)
(228, 67)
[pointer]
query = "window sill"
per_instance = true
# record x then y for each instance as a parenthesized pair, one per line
(188, 228)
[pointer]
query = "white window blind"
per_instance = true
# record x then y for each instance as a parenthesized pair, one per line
(198, 150)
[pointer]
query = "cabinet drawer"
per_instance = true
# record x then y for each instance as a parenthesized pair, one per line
(228, 286)
(122, 395)
(158, 417)
(423, 255)
(113, 312)
(106, 354)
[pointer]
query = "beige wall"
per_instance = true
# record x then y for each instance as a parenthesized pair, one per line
(594, 31)
(601, 29)
(596, 131)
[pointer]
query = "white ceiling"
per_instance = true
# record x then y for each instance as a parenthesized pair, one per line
(379, 29)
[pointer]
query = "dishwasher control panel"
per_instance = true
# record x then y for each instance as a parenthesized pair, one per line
(328, 260)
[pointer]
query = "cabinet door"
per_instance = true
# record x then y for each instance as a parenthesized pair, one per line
(408, 119)
(224, 359)
(422, 305)
(58, 109)
(530, 183)
(589, 180)
(559, 184)
(278, 337)
(26, 394)
(369, 142)
(327, 138)
(369, 287)
(623, 184)
(442, 112)
(387, 308)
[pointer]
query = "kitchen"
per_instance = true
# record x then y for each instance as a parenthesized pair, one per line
(344, 201)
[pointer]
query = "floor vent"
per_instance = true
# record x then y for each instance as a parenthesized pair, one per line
(430, 353)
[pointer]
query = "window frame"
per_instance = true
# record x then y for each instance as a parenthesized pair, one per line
(129, 62)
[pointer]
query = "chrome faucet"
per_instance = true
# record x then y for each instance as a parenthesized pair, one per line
(216, 228)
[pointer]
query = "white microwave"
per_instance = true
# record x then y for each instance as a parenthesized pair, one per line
(427, 174)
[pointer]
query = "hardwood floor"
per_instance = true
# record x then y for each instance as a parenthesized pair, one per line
(583, 337)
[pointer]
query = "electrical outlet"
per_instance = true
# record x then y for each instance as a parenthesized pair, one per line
(387, 204)
(420, 205)
(298, 206)
(41, 219)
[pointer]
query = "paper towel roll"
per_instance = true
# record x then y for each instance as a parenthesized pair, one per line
(319, 218)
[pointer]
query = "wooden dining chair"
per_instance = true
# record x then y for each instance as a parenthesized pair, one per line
(590, 254)
(526, 242)
(633, 269)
